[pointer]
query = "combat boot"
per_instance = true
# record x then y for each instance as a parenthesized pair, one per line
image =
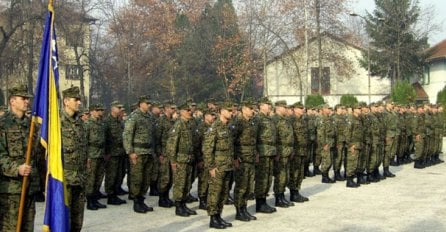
(203, 203)
(316, 170)
(120, 191)
(190, 198)
(98, 204)
(115, 200)
(180, 210)
(154, 189)
(230, 200)
(338, 176)
(262, 207)
(371, 178)
(393, 162)
(296, 197)
(279, 201)
(361, 178)
(326, 179)
(215, 223)
(418, 164)
(137, 207)
(222, 221)
(246, 212)
(239, 215)
(189, 211)
(377, 175)
(387, 173)
(163, 201)
(90, 204)
(351, 183)
(307, 172)
(289, 203)
(143, 205)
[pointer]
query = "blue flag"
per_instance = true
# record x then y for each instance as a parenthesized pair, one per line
(46, 112)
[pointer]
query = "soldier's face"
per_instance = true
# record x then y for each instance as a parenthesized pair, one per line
(19, 103)
(248, 111)
(186, 114)
(72, 104)
(144, 106)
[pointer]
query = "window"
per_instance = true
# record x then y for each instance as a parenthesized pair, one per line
(73, 72)
(324, 81)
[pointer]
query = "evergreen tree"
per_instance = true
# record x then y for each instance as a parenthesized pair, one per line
(348, 100)
(314, 100)
(396, 50)
(403, 93)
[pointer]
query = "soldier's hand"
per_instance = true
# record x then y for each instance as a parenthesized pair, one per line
(25, 170)
(326, 147)
(174, 166)
(212, 172)
(352, 149)
(88, 163)
(418, 138)
(133, 158)
(237, 163)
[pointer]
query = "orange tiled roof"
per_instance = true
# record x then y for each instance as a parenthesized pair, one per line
(438, 51)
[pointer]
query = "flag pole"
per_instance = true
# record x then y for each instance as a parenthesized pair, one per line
(25, 178)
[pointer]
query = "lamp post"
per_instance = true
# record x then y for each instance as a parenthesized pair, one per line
(368, 58)
(129, 77)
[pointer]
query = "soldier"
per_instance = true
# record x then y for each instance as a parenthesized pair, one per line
(74, 149)
(297, 162)
(218, 155)
(14, 132)
(181, 157)
(326, 140)
(115, 153)
(340, 120)
(203, 173)
(96, 152)
(354, 143)
(85, 115)
(285, 149)
(391, 122)
(245, 135)
(156, 113)
(376, 149)
(165, 172)
(364, 155)
(419, 132)
(312, 143)
(439, 128)
(138, 138)
(267, 150)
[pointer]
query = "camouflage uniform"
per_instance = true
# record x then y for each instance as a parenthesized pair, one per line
(165, 172)
(245, 152)
(180, 151)
(391, 122)
(355, 132)
(96, 151)
(419, 133)
(203, 173)
(364, 155)
(218, 152)
(297, 162)
(138, 138)
(114, 148)
(376, 150)
(74, 148)
(14, 134)
(326, 138)
(312, 143)
(340, 121)
(285, 149)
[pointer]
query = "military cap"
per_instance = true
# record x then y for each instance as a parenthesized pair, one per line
(265, 100)
(324, 106)
(145, 99)
(184, 106)
(248, 103)
(116, 104)
(280, 103)
(227, 105)
(298, 105)
(210, 100)
(20, 90)
(362, 104)
(208, 111)
(97, 106)
(85, 111)
(157, 104)
(73, 92)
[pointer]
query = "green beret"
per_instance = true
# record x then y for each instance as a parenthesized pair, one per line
(116, 104)
(72, 92)
(226, 105)
(145, 99)
(97, 106)
(298, 105)
(20, 90)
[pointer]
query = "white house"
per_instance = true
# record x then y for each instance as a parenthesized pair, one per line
(341, 74)
(435, 74)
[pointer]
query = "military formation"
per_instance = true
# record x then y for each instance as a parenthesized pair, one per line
(251, 147)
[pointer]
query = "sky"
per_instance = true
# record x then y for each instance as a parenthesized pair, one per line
(361, 6)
